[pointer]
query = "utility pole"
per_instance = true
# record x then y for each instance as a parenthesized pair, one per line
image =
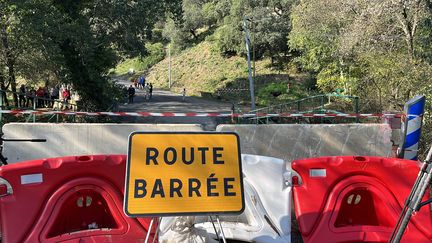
(253, 43)
(251, 83)
(169, 66)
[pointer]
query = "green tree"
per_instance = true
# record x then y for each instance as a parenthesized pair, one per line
(268, 22)
(367, 48)
(9, 46)
(79, 41)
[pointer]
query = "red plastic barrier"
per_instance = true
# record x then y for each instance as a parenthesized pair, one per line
(68, 199)
(356, 199)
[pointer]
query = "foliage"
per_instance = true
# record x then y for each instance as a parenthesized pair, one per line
(199, 69)
(378, 50)
(76, 42)
(268, 23)
(364, 48)
(156, 53)
(270, 92)
(178, 39)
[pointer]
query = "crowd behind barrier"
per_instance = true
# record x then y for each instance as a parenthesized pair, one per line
(59, 97)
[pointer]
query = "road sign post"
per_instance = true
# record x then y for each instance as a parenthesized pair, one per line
(184, 173)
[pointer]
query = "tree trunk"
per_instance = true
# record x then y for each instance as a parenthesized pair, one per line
(409, 19)
(12, 81)
(409, 39)
(10, 63)
(3, 94)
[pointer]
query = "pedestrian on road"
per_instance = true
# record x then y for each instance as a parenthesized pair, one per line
(125, 94)
(184, 94)
(131, 93)
(135, 82)
(147, 91)
(141, 82)
(151, 90)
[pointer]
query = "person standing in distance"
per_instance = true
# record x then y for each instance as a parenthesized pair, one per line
(184, 94)
(131, 94)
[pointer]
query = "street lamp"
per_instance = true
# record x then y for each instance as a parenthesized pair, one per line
(251, 83)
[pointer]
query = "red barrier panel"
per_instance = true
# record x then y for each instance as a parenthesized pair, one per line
(68, 199)
(356, 199)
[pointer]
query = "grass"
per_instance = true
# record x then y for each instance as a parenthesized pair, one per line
(202, 70)
(156, 53)
(123, 67)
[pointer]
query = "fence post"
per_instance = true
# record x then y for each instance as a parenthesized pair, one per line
(356, 108)
(1, 107)
(322, 102)
(35, 100)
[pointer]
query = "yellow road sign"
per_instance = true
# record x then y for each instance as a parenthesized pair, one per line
(184, 173)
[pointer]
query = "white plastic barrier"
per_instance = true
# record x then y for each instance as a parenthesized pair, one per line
(267, 216)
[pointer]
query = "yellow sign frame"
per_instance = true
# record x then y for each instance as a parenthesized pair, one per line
(202, 171)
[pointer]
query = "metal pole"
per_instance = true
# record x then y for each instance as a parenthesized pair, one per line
(149, 230)
(413, 203)
(356, 107)
(1, 105)
(220, 225)
(322, 108)
(214, 227)
(253, 44)
(322, 102)
(35, 99)
(169, 66)
(251, 83)
(157, 230)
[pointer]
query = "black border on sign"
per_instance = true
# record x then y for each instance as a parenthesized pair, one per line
(125, 201)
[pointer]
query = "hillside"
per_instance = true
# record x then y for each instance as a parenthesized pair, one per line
(202, 71)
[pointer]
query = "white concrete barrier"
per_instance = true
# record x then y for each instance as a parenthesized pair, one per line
(75, 139)
(299, 141)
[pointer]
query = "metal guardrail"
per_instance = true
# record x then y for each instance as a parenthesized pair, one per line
(316, 103)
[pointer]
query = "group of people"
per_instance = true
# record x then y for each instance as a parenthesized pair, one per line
(43, 97)
(140, 83)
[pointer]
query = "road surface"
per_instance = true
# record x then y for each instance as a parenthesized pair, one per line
(167, 101)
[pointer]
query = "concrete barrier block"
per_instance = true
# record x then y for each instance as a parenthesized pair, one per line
(297, 141)
(75, 139)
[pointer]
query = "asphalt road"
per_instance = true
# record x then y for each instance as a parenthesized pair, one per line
(167, 101)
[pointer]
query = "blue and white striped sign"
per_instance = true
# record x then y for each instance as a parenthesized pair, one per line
(411, 127)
